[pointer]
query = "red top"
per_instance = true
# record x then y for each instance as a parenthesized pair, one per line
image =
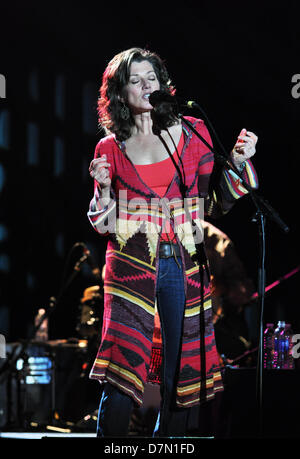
(158, 177)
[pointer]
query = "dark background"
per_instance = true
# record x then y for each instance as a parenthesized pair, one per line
(236, 59)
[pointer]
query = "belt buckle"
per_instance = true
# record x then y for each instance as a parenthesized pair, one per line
(167, 253)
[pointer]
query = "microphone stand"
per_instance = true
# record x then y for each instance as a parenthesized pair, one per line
(263, 210)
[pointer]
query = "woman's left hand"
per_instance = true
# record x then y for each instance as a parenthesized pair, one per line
(244, 147)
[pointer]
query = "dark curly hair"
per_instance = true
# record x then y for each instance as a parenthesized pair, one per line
(115, 77)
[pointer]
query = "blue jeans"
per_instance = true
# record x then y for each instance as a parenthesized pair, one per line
(116, 407)
(170, 302)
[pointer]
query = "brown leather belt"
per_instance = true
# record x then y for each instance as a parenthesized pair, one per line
(167, 250)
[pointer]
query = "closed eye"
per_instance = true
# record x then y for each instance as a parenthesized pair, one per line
(138, 81)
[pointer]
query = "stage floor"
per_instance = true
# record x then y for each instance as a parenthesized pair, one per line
(40, 435)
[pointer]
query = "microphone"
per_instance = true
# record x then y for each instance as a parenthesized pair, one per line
(87, 257)
(91, 262)
(157, 97)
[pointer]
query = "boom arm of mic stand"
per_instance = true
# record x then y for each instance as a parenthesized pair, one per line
(53, 302)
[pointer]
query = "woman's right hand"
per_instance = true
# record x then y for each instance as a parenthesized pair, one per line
(99, 170)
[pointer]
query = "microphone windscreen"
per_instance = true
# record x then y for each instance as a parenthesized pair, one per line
(157, 97)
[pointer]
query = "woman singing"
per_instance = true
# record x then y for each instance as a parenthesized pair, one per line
(151, 176)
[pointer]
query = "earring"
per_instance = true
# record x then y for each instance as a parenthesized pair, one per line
(124, 113)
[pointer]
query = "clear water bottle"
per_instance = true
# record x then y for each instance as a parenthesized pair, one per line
(269, 346)
(289, 360)
(279, 346)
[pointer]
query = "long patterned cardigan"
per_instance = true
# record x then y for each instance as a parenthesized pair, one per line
(128, 355)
